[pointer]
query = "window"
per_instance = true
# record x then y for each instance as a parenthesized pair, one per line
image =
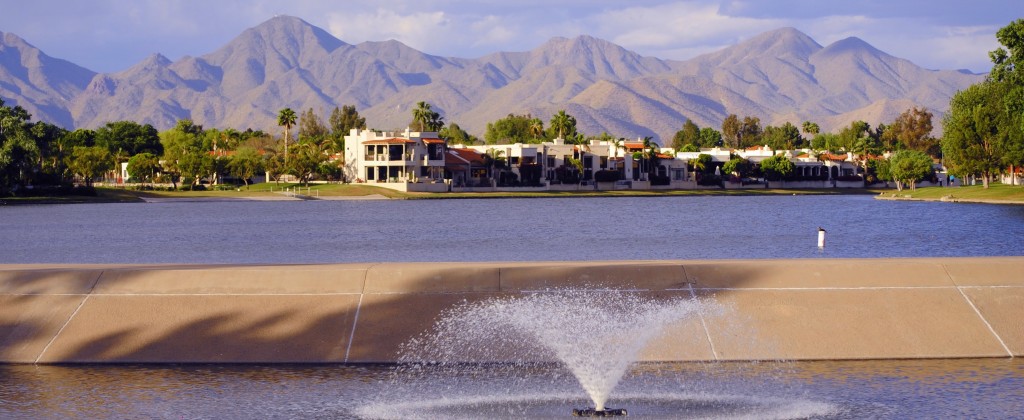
(588, 162)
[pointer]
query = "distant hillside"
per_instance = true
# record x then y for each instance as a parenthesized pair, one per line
(778, 76)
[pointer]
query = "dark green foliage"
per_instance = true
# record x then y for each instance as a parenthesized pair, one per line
(777, 167)
(513, 129)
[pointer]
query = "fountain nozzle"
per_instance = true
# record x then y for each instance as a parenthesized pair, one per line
(590, 412)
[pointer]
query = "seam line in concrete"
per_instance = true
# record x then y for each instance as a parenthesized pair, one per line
(355, 319)
(980, 315)
(740, 289)
(987, 324)
(72, 316)
(352, 335)
(703, 324)
(217, 294)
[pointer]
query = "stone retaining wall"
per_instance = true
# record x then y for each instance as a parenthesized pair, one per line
(361, 313)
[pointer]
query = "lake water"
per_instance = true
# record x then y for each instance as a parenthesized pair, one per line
(530, 229)
(511, 230)
(825, 390)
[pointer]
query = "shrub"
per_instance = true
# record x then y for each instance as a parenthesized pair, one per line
(660, 180)
(606, 175)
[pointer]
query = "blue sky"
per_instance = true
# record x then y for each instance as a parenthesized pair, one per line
(111, 35)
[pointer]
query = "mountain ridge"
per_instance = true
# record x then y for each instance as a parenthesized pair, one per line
(777, 76)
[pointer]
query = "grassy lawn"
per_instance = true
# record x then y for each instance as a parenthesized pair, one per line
(105, 194)
(995, 193)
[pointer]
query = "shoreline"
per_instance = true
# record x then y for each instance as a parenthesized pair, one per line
(129, 196)
(148, 197)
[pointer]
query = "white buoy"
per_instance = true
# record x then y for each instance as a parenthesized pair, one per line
(821, 237)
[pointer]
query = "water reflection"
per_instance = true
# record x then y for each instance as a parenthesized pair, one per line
(978, 388)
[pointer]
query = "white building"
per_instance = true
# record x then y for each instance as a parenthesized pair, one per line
(408, 161)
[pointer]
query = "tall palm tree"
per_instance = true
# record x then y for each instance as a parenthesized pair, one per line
(286, 118)
(536, 128)
(422, 114)
(563, 122)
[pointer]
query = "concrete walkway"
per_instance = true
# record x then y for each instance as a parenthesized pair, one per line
(774, 309)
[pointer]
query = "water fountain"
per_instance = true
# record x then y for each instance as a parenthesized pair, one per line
(596, 334)
(528, 355)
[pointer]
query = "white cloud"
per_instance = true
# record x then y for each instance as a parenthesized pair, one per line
(420, 30)
(110, 35)
(676, 27)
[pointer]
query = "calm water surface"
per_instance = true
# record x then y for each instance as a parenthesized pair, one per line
(827, 390)
(533, 229)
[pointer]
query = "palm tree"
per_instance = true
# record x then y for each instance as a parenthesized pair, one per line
(563, 122)
(421, 114)
(651, 155)
(811, 128)
(536, 128)
(616, 144)
(286, 118)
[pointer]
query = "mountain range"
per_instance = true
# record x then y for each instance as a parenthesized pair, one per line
(777, 76)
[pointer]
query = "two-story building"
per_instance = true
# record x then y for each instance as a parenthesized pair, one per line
(407, 161)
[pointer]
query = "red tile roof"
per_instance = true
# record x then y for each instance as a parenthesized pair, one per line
(633, 145)
(432, 141)
(463, 157)
(389, 141)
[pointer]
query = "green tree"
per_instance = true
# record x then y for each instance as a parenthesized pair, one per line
(731, 131)
(512, 129)
(689, 134)
(863, 149)
(311, 126)
(427, 119)
(811, 128)
(974, 134)
(1008, 68)
(702, 164)
(187, 155)
(750, 132)
(777, 167)
(456, 135)
(245, 164)
(913, 130)
(848, 136)
(906, 167)
(124, 139)
(90, 162)
(286, 118)
(785, 137)
(342, 121)
(143, 166)
(562, 124)
(305, 160)
(709, 137)
(19, 156)
(536, 128)
(737, 166)
(346, 118)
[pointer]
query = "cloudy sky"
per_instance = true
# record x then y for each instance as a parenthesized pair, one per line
(111, 35)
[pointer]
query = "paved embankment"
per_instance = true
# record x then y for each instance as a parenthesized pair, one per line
(775, 309)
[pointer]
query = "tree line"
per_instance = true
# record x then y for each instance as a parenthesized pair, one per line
(983, 136)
